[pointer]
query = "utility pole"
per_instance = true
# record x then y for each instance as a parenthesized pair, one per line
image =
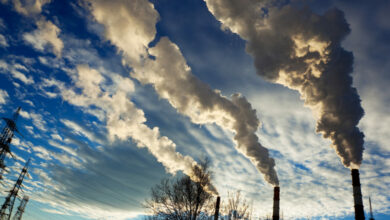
(5, 139)
(6, 208)
(22, 206)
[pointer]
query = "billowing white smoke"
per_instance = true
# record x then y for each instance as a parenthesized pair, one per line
(112, 104)
(130, 26)
(302, 50)
(168, 72)
(173, 80)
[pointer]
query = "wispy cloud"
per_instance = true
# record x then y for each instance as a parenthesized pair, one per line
(36, 118)
(13, 70)
(46, 36)
(3, 96)
(3, 41)
(113, 184)
(29, 8)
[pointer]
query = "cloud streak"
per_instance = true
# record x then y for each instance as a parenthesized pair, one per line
(3, 97)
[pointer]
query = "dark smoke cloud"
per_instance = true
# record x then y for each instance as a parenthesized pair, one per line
(302, 50)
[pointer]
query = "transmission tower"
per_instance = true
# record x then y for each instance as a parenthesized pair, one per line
(6, 209)
(22, 206)
(5, 139)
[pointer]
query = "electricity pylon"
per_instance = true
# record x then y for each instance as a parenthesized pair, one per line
(6, 208)
(5, 139)
(22, 206)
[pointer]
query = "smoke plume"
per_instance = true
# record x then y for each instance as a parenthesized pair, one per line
(124, 120)
(168, 72)
(302, 50)
(173, 80)
(130, 29)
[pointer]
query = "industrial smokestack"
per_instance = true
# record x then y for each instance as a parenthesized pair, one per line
(357, 195)
(275, 215)
(216, 215)
(371, 215)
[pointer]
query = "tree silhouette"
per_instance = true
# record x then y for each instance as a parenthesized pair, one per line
(237, 207)
(182, 198)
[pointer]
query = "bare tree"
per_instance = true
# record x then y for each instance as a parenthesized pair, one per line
(182, 198)
(237, 207)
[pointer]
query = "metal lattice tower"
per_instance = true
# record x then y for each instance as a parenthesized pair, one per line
(5, 139)
(6, 208)
(22, 206)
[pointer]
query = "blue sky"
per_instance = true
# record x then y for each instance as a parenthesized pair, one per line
(116, 96)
